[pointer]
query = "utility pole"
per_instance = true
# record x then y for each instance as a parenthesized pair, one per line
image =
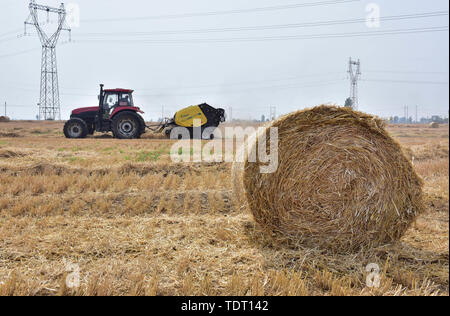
(49, 104)
(417, 117)
(230, 114)
(162, 113)
(273, 113)
(407, 114)
(5, 109)
(354, 71)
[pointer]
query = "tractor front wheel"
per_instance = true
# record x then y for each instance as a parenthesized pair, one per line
(126, 126)
(75, 128)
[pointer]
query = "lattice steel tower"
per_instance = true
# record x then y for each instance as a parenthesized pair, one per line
(354, 72)
(49, 106)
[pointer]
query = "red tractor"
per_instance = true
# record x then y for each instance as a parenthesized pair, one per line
(116, 113)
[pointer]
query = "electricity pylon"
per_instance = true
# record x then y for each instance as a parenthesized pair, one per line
(49, 105)
(354, 71)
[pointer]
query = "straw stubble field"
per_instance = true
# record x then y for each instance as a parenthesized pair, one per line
(135, 223)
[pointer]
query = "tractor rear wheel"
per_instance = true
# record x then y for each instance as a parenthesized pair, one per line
(75, 128)
(126, 125)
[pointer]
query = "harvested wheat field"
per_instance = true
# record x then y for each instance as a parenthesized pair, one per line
(131, 222)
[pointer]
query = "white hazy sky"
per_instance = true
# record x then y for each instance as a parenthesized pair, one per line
(175, 70)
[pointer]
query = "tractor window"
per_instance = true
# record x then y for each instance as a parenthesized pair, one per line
(111, 101)
(125, 99)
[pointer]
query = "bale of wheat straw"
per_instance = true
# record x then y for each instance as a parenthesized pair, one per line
(434, 125)
(342, 182)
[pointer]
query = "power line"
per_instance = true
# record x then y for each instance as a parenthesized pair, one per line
(22, 86)
(240, 83)
(253, 28)
(264, 27)
(18, 53)
(223, 12)
(11, 32)
(234, 91)
(17, 36)
(19, 105)
(282, 38)
(267, 38)
(8, 39)
(407, 81)
(229, 91)
(408, 72)
(264, 87)
(270, 27)
(25, 51)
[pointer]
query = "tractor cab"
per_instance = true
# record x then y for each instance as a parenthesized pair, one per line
(112, 102)
(112, 99)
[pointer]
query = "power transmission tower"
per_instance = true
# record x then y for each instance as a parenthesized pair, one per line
(354, 71)
(49, 105)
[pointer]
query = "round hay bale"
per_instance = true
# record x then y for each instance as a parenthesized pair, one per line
(4, 119)
(434, 125)
(342, 183)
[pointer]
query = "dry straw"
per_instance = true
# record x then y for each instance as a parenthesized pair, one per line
(343, 184)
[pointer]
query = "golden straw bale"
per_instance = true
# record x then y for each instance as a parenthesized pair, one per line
(342, 184)
(434, 125)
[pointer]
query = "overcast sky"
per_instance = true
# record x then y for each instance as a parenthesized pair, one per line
(249, 60)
